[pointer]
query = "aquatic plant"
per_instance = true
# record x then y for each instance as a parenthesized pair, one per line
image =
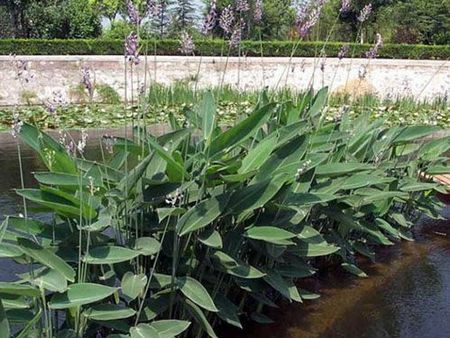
(177, 233)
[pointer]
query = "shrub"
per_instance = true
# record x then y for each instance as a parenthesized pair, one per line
(215, 48)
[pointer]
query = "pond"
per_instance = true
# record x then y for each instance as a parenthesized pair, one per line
(407, 293)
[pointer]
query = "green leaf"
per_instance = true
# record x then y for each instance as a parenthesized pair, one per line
(200, 318)
(133, 285)
(260, 318)
(196, 292)
(4, 324)
(207, 110)
(268, 234)
(319, 102)
(51, 280)
(9, 250)
(80, 294)
(46, 257)
(66, 180)
(102, 312)
(228, 312)
(240, 132)
(305, 249)
(211, 238)
(353, 269)
(170, 328)
(336, 169)
(412, 133)
(147, 246)
(258, 155)
(109, 255)
(18, 289)
(202, 214)
(144, 331)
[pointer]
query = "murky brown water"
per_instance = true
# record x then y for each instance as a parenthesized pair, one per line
(406, 295)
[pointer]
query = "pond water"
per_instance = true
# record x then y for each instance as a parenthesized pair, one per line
(407, 293)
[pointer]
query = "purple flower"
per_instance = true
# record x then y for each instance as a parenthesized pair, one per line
(343, 51)
(345, 6)
(242, 6)
(17, 125)
(132, 48)
(82, 143)
(365, 12)
(258, 11)
(109, 142)
(133, 13)
(226, 19)
(372, 53)
(187, 45)
(236, 36)
(87, 81)
(153, 8)
(55, 102)
(71, 148)
(210, 20)
(307, 16)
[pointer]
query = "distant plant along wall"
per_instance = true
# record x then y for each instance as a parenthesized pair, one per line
(216, 48)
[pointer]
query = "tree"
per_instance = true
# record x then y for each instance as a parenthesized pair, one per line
(184, 15)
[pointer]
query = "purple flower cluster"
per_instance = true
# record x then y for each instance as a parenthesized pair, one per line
(22, 70)
(365, 12)
(86, 81)
(57, 100)
(345, 6)
(226, 19)
(307, 16)
(242, 6)
(132, 48)
(210, 21)
(187, 45)
(236, 36)
(133, 13)
(372, 53)
(153, 8)
(343, 51)
(257, 16)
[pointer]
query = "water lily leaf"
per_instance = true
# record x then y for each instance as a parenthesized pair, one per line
(46, 257)
(200, 318)
(170, 328)
(80, 294)
(110, 255)
(202, 214)
(268, 234)
(196, 292)
(108, 312)
(133, 285)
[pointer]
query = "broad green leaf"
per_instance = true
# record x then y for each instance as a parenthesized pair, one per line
(305, 249)
(353, 269)
(147, 246)
(260, 318)
(80, 294)
(336, 169)
(144, 331)
(268, 234)
(411, 133)
(51, 280)
(196, 292)
(207, 110)
(200, 318)
(211, 238)
(133, 285)
(170, 328)
(240, 132)
(319, 102)
(8, 250)
(228, 312)
(102, 312)
(202, 214)
(46, 257)
(4, 324)
(67, 180)
(258, 155)
(110, 255)
(18, 289)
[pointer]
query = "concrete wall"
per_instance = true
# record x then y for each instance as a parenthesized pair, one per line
(392, 78)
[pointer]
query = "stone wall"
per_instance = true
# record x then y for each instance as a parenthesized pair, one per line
(385, 78)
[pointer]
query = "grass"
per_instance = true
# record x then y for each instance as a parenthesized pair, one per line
(162, 101)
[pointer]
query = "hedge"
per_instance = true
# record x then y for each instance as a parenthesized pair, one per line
(216, 48)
